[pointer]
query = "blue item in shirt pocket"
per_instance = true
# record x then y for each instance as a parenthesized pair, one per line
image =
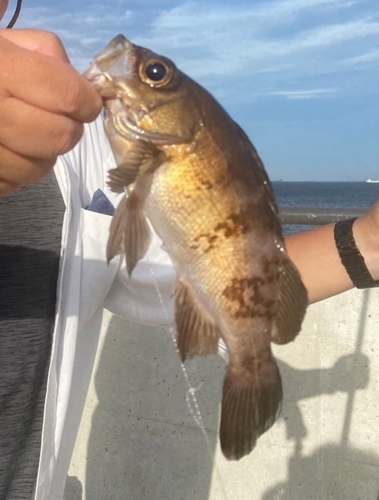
(100, 204)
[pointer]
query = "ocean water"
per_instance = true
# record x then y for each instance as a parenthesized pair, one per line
(324, 195)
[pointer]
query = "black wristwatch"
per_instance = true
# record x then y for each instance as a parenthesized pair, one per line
(351, 257)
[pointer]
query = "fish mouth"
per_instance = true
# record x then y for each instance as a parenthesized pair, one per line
(114, 59)
(114, 62)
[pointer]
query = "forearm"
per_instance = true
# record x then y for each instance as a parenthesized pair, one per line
(315, 255)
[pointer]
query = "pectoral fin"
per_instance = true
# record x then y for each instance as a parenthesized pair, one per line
(117, 229)
(141, 157)
(197, 334)
(129, 232)
(292, 304)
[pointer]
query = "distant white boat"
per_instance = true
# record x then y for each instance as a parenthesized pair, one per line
(373, 181)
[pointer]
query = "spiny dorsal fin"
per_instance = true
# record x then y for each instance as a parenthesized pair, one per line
(197, 335)
(293, 301)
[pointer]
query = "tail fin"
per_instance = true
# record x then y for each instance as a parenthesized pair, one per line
(251, 403)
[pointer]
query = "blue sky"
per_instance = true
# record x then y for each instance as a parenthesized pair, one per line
(300, 76)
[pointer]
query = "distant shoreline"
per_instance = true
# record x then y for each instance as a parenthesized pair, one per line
(329, 182)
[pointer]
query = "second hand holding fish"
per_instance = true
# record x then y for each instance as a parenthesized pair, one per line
(191, 170)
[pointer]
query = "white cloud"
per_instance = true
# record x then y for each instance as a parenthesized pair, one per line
(200, 17)
(294, 40)
(303, 94)
(367, 57)
(325, 36)
(269, 45)
(291, 72)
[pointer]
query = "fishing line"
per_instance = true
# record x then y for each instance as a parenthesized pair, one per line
(192, 403)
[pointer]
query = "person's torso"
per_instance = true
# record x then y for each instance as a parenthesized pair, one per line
(30, 246)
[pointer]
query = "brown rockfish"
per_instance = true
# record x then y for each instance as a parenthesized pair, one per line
(189, 169)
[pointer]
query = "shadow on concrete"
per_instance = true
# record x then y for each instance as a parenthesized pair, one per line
(300, 385)
(73, 489)
(144, 443)
(325, 474)
(334, 470)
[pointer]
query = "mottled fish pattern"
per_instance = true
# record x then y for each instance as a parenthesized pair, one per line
(190, 170)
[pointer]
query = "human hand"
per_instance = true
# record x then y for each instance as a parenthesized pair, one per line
(43, 105)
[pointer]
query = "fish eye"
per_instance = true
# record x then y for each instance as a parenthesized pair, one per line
(156, 73)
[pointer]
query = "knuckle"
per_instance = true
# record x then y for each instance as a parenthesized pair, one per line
(52, 42)
(68, 137)
(96, 106)
(81, 100)
(72, 98)
(18, 170)
(36, 171)
(44, 166)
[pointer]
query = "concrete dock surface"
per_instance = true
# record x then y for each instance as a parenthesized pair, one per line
(140, 437)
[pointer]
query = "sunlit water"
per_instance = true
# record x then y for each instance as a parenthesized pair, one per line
(324, 195)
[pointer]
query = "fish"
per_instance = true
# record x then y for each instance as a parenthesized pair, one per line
(189, 171)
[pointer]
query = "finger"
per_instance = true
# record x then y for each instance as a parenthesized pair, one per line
(40, 41)
(17, 170)
(36, 133)
(47, 83)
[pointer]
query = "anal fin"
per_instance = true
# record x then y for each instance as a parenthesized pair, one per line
(197, 334)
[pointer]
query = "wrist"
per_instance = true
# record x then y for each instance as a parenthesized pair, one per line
(366, 235)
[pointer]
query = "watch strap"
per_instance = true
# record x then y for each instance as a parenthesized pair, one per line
(350, 256)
